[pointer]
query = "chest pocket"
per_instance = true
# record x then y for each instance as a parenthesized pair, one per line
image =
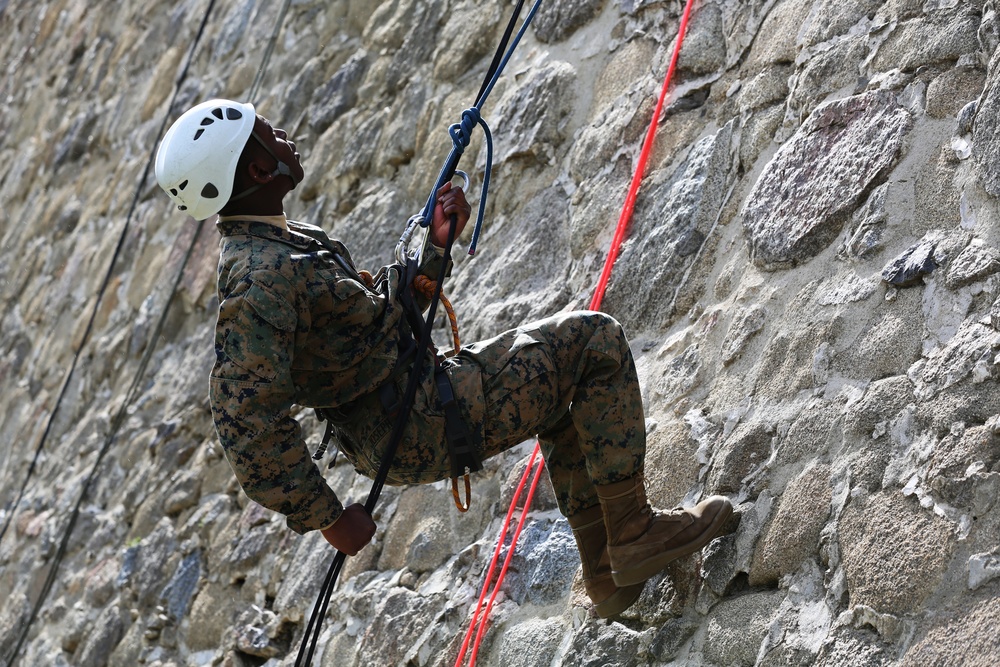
(261, 338)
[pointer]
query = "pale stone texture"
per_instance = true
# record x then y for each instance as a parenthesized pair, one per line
(793, 534)
(853, 421)
(884, 540)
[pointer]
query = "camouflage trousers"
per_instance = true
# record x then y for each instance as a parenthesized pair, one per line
(569, 379)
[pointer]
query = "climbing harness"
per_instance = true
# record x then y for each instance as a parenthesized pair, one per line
(478, 624)
(459, 443)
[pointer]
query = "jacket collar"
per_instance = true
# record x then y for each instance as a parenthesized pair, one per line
(236, 226)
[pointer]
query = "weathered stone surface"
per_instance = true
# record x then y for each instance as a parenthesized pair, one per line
(910, 267)
(745, 450)
(883, 540)
(108, 630)
(753, 381)
(746, 323)
(941, 37)
(682, 210)
(976, 262)
(799, 203)
(338, 95)
(737, 628)
(542, 636)
(555, 21)
(704, 49)
(959, 639)
(536, 113)
(867, 226)
(967, 355)
(793, 534)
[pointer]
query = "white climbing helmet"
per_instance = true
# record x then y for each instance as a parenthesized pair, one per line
(196, 161)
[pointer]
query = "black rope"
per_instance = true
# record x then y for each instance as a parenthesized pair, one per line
(311, 636)
(121, 414)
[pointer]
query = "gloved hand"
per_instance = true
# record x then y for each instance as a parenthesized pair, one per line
(352, 531)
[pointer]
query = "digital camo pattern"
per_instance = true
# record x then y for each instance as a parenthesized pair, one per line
(297, 328)
(570, 379)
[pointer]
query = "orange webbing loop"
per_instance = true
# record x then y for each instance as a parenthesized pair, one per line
(468, 494)
(426, 286)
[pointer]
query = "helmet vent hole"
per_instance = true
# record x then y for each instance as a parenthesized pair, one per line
(206, 121)
(173, 191)
(182, 185)
(233, 114)
(182, 208)
(209, 191)
(217, 112)
(197, 135)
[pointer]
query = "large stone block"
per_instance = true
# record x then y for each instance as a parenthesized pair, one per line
(673, 219)
(819, 176)
(884, 539)
(959, 638)
(793, 535)
(737, 628)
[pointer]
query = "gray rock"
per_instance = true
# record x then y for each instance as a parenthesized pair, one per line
(555, 21)
(976, 262)
(969, 353)
(746, 323)
(941, 37)
(669, 230)
(387, 641)
(339, 94)
(543, 636)
(799, 204)
(108, 630)
(179, 591)
(959, 639)
(744, 452)
(536, 112)
(849, 647)
(704, 48)
(737, 627)
(883, 540)
(909, 268)
(793, 534)
(830, 19)
(253, 634)
(611, 645)
(867, 226)
(671, 637)
(983, 568)
(950, 93)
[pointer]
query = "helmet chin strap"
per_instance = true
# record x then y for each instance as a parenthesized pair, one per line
(282, 170)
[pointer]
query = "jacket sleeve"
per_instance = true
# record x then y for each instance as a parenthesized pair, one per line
(252, 393)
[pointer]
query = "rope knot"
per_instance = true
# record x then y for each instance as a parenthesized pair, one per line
(461, 133)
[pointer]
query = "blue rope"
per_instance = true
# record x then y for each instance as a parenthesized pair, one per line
(461, 134)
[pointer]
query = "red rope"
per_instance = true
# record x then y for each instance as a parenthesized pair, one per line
(595, 304)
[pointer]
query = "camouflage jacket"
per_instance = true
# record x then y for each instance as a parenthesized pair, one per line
(296, 327)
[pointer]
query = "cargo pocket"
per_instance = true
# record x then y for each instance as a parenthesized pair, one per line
(520, 391)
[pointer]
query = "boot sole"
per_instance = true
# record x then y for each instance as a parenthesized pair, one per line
(651, 566)
(619, 601)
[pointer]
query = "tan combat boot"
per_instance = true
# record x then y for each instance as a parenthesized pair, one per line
(643, 540)
(592, 541)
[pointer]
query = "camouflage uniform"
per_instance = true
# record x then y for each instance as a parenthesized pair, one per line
(296, 327)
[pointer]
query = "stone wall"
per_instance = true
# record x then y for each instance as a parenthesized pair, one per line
(810, 283)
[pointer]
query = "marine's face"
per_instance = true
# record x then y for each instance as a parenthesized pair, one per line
(276, 140)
